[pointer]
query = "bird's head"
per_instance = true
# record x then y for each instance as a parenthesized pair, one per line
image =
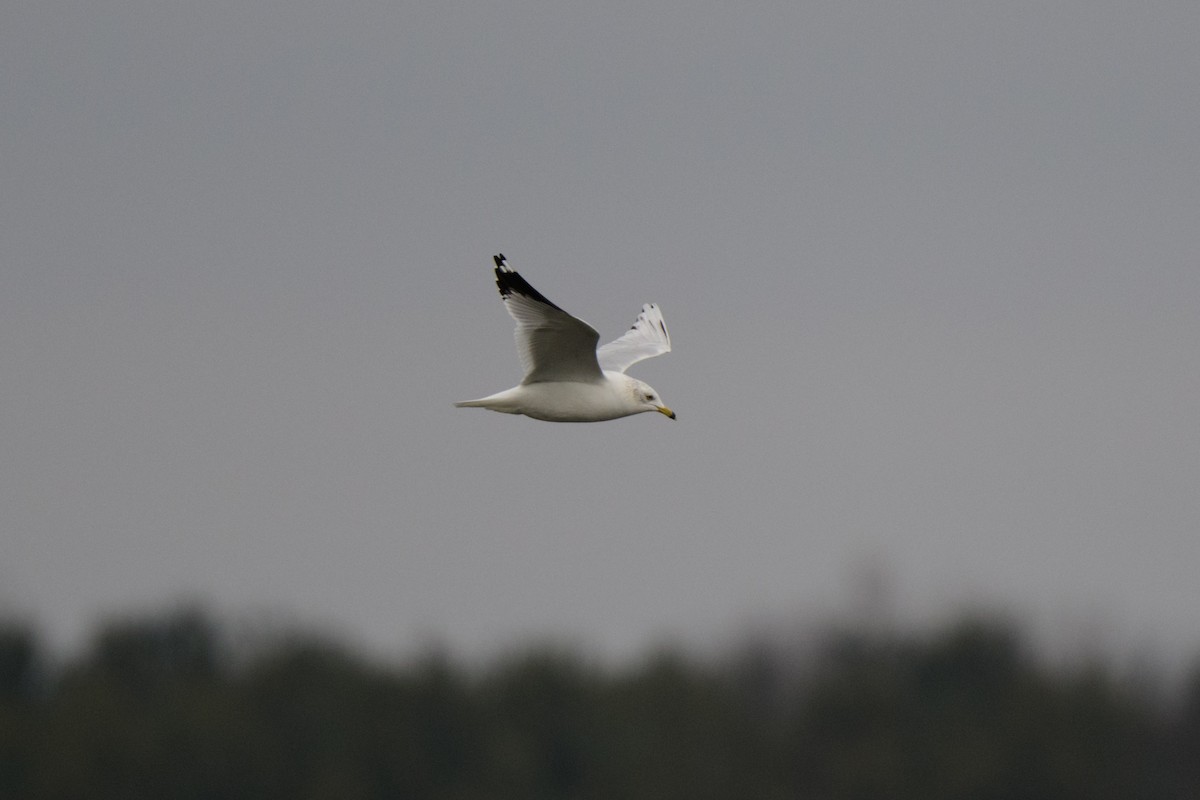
(645, 396)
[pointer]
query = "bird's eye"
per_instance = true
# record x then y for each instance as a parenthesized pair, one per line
(649, 397)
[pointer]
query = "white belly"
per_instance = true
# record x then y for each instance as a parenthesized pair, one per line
(564, 401)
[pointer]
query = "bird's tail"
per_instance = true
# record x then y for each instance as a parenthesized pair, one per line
(503, 402)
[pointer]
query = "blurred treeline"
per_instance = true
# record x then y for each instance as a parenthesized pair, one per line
(168, 707)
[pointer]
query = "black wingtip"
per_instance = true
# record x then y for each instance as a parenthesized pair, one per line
(510, 282)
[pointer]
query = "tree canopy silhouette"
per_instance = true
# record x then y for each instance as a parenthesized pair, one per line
(166, 707)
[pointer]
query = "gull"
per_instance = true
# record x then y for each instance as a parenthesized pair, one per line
(567, 378)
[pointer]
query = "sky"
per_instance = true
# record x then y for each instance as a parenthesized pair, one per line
(931, 271)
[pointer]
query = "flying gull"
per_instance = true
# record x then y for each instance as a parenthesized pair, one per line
(567, 378)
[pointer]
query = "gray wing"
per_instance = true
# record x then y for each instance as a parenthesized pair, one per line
(553, 345)
(647, 338)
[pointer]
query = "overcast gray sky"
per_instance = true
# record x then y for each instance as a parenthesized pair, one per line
(931, 269)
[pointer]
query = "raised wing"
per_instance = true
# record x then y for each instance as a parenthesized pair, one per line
(553, 345)
(647, 338)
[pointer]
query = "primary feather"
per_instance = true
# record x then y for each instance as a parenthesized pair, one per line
(647, 338)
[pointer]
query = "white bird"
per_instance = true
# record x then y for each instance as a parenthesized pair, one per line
(567, 379)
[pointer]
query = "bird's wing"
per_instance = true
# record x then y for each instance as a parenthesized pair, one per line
(553, 345)
(647, 338)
